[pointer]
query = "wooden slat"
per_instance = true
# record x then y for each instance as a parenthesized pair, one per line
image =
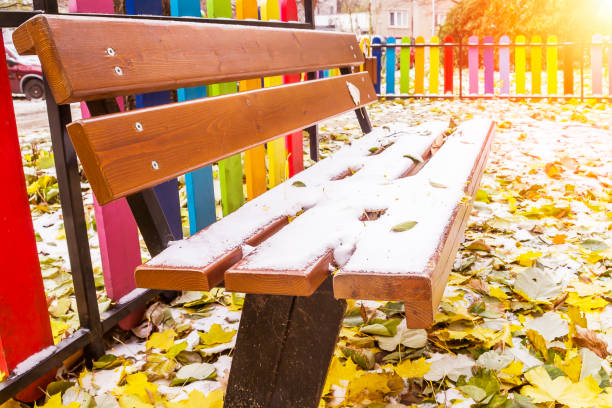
(204, 277)
(150, 56)
(421, 291)
(195, 256)
(125, 153)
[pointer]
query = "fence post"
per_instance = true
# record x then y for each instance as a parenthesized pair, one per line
(390, 58)
(419, 66)
(377, 53)
(473, 64)
(117, 230)
(597, 64)
(167, 192)
(551, 64)
(294, 141)
(489, 65)
(536, 65)
(568, 69)
(448, 65)
(255, 158)
(520, 56)
(230, 169)
(24, 320)
(277, 153)
(434, 66)
(198, 183)
(405, 66)
(610, 66)
(504, 64)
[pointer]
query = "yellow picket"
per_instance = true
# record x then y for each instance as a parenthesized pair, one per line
(519, 64)
(434, 66)
(536, 65)
(277, 152)
(551, 64)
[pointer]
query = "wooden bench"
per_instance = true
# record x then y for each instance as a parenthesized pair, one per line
(385, 215)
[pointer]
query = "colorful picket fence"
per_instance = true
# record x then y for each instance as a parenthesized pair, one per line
(483, 67)
(25, 331)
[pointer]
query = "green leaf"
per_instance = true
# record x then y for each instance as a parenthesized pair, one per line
(404, 226)
(107, 361)
(594, 245)
(298, 184)
(58, 386)
(373, 149)
(176, 349)
(362, 357)
(381, 327)
(414, 157)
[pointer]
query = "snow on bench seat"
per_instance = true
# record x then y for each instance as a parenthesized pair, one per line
(199, 262)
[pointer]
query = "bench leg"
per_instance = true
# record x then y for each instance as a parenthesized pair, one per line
(283, 349)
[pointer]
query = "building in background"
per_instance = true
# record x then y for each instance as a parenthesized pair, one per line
(387, 18)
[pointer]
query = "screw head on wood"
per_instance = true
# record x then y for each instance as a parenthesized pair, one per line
(138, 126)
(155, 165)
(118, 71)
(110, 51)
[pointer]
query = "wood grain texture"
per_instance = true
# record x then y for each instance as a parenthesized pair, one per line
(421, 293)
(118, 159)
(147, 55)
(206, 277)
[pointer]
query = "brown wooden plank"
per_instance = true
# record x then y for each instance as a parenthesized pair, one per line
(200, 278)
(420, 293)
(294, 283)
(122, 56)
(128, 152)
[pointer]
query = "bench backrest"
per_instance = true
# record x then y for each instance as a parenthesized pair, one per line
(125, 153)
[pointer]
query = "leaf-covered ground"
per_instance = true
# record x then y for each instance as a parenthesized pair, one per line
(525, 320)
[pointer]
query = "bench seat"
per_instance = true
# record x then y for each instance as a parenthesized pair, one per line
(342, 213)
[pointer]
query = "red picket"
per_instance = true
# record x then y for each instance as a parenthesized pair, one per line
(294, 141)
(448, 66)
(117, 229)
(24, 323)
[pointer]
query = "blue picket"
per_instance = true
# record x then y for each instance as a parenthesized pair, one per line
(199, 183)
(167, 193)
(390, 66)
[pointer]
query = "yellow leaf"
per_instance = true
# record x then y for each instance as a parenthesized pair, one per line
(373, 387)
(497, 293)
(138, 390)
(55, 401)
(586, 304)
(196, 399)
(412, 368)
(338, 373)
(528, 258)
(512, 373)
(571, 365)
(582, 394)
(162, 341)
(538, 342)
(216, 335)
(559, 239)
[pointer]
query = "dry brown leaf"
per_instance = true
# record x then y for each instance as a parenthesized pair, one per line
(588, 338)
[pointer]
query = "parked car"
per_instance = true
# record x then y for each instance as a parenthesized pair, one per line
(25, 74)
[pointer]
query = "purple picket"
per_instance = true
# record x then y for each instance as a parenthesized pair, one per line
(473, 64)
(489, 66)
(504, 64)
(597, 64)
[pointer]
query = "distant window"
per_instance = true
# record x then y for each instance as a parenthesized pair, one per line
(398, 19)
(440, 19)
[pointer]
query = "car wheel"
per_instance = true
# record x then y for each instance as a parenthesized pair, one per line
(34, 89)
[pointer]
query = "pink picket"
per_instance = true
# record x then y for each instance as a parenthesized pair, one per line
(610, 66)
(473, 64)
(117, 230)
(489, 66)
(504, 64)
(597, 64)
